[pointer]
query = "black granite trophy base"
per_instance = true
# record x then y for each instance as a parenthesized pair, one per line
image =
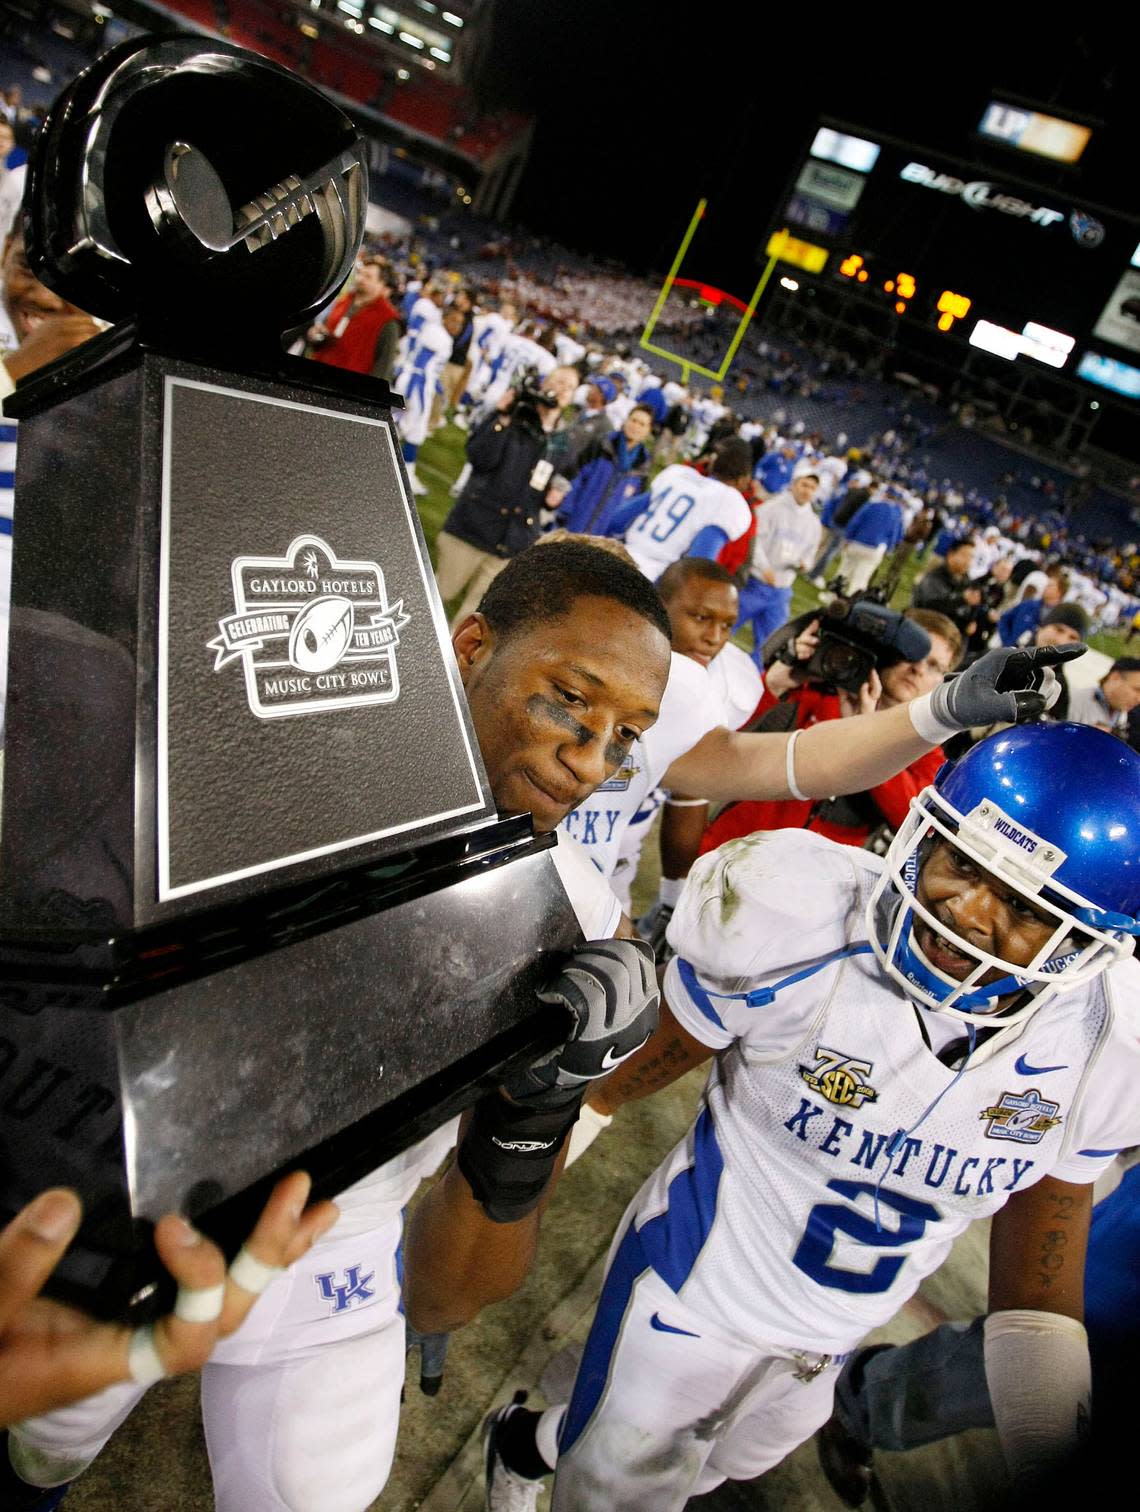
(326, 1028)
(258, 910)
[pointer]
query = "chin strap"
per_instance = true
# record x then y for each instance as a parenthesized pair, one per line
(917, 969)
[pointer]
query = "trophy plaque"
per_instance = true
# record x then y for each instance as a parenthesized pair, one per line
(258, 911)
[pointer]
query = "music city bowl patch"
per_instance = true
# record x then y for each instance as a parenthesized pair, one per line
(314, 632)
(1024, 1117)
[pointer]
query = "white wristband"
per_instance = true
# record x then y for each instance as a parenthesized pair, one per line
(790, 766)
(590, 1124)
(929, 728)
(1037, 1370)
(203, 1305)
(142, 1358)
(669, 890)
(251, 1274)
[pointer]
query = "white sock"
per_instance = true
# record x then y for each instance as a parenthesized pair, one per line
(546, 1432)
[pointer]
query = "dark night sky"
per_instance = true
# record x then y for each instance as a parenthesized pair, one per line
(642, 107)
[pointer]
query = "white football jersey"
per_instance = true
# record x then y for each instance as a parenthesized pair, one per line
(737, 688)
(418, 379)
(488, 335)
(681, 504)
(781, 1215)
(424, 312)
(568, 351)
(689, 710)
(736, 684)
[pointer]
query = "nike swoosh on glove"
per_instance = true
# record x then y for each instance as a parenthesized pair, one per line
(1010, 685)
(609, 987)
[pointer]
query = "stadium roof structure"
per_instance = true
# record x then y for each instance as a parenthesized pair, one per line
(399, 69)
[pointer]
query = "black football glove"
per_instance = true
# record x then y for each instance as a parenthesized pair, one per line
(609, 987)
(1012, 686)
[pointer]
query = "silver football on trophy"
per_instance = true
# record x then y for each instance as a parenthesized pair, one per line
(183, 180)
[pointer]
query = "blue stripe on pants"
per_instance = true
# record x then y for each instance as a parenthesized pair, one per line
(668, 1244)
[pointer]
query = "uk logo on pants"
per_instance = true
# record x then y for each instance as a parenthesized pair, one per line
(356, 1288)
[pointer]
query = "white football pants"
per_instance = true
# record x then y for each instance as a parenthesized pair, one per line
(666, 1406)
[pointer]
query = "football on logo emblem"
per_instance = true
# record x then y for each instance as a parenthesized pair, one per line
(320, 634)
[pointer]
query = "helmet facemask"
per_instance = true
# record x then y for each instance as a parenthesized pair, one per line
(1084, 942)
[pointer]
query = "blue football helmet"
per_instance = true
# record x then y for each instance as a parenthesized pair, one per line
(1053, 812)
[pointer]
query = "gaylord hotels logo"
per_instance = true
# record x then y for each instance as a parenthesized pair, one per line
(314, 633)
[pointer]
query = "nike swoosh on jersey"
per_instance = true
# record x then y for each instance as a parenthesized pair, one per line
(655, 1322)
(610, 1060)
(1023, 1068)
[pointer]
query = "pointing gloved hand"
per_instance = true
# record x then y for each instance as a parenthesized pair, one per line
(610, 989)
(1011, 686)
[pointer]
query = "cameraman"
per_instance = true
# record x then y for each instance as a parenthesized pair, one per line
(849, 820)
(498, 513)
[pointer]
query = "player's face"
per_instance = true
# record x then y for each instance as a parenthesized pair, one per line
(28, 301)
(1056, 635)
(556, 707)
(561, 383)
(907, 680)
(369, 284)
(1122, 690)
(702, 615)
(979, 907)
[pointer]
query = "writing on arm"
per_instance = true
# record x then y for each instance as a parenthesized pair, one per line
(1037, 1249)
(666, 1056)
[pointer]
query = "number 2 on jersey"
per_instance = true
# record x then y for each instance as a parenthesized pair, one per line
(827, 1220)
(661, 519)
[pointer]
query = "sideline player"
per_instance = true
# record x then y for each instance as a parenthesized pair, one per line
(901, 1047)
(701, 600)
(687, 514)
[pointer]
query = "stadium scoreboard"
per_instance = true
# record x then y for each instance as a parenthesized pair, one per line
(1022, 271)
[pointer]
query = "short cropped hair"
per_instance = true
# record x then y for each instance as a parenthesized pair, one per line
(732, 459)
(939, 624)
(544, 582)
(600, 543)
(1124, 664)
(678, 573)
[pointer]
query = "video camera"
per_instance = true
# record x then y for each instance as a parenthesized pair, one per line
(856, 634)
(530, 401)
